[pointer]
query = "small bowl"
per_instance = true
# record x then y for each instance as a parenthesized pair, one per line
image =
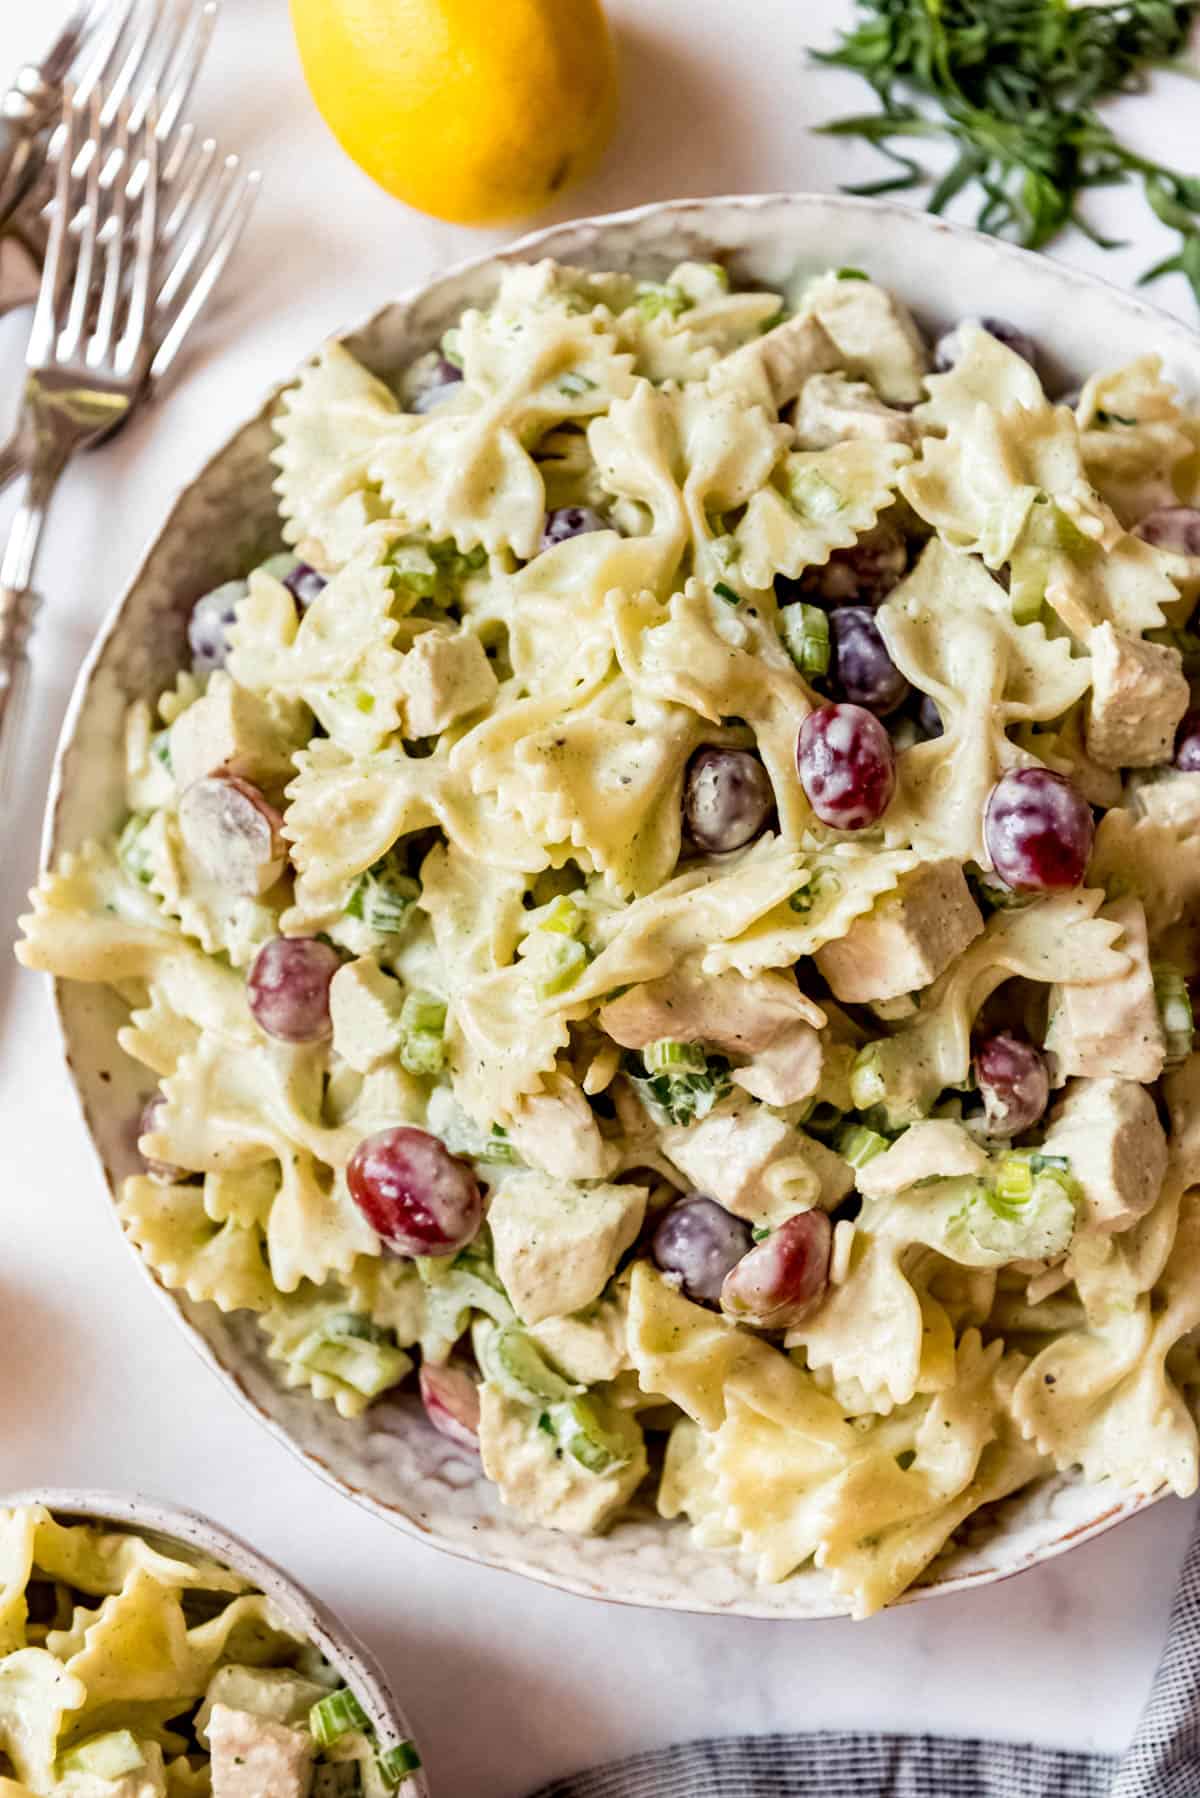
(354, 1663)
(391, 1460)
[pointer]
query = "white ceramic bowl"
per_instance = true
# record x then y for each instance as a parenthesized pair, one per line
(391, 1460)
(355, 1664)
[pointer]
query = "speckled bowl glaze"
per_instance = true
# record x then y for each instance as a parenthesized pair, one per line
(391, 1460)
(355, 1665)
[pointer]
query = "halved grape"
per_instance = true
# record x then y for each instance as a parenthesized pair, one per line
(209, 625)
(166, 1172)
(288, 988)
(416, 1196)
(438, 382)
(863, 574)
(948, 349)
(727, 799)
(451, 1400)
(1174, 528)
(929, 718)
(847, 766)
(305, 585)
(234, 832)
(571, 521)
(697, 1242)
(1187, 744)
(1013, 1081)
(778, 1282)
(862, 668)
(1038, 829)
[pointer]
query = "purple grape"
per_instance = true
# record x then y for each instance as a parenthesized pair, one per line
(305, 584)
(209, 625)
(451, 1400)
(288, 988)
(727, 799)
(948, 348)
(1187, 744)
(863, 671)
(847, 766)
(416, 1196)
(571, 521)
(698, 1243)
(929, 718)
(1013, 1081)
(1038, 829)
(1174, 528)
(783, 1278)
(437, 384)
(165, 1172)
(234, 832)
(863, 574)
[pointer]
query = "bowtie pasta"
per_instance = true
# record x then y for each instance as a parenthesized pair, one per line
(131, 1667)
(668, 914)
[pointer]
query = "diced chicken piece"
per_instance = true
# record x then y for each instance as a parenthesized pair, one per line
(590, 1346)
(788, 1072)
(907, 939)
(557, 1243)
(1110, 1133)
(539, 1480)
(230, 730)
(756, 1165)
(778, 364)
(364, 1004)
(277, 1693)
(556, 1130)
(1171, 798)
(728, 1011)
(254, 1758)
(444, 677)
(1139, 695)
(1112, 1027)
(875, 333)
(831, 409)
(935, 1149)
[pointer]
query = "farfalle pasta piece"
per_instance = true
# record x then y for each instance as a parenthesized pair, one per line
(36, 1695)
(221, 921)
(836, 884)
(92, 921)
(678, 329)
(328, 426)
(18, 1533)
(220, 1262)
(875, 335)
(821, 500)
(1155, 861)
(291, 1327)
(985, 373)
(1134, 437)
(100, 1561)
(950, 629)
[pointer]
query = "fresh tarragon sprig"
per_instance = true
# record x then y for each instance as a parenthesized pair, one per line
(1014, 86)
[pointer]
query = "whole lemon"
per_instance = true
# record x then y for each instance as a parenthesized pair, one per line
(473, 110)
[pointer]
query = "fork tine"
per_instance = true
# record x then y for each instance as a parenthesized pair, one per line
(176, 68)
(106, 50)
(86, 255)
(199, 221)
(130, 348)
(100, 344)
(224, 244)
(121, 85)
(42, 334)
(187, 191)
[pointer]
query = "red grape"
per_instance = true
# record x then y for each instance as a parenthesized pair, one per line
(165, 1172)
(1187, 744)
(727, 798)
(571, 521)
(864, 671)
(1174, 528)
(288, 988)
(697, 1242)
(847, 766)
(416, 1196)
(451, 1400)
(948, 349)
(780, 1280)
(234, 832)
(209, 625)
(1014, 1083)
(1038, 829)
(305, 584)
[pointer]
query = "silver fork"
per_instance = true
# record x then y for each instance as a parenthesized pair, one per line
(89, 352)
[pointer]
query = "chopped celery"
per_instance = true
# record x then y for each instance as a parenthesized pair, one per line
(423, 1011)
(1175, 1011)
(383, 897)
(511, 1359)
(562, 968)
(858, 1145)
(336, 1716)
(1027, 1213)
(805, 632)
(423, 1052)
(107, 1756)
(563, 917)
(867, 1085)
(813, 496)
(133, 852)
(673, 1097)
(395, 1764)
(654, 298)
(355, 1351)
(667, 1057)
(588, 1440)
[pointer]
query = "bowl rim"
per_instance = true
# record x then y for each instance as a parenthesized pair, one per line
(349, 1656)
(526, 248)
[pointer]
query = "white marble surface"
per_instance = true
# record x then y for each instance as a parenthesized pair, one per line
(507, 1684)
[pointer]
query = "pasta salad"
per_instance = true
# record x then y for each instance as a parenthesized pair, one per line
(131, 1667)
(668, 913)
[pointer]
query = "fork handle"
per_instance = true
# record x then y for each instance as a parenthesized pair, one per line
(17, 609)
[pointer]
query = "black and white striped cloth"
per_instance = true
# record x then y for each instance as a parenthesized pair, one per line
(1163, 1760)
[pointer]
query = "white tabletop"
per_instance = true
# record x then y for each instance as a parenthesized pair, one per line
(507, 1684)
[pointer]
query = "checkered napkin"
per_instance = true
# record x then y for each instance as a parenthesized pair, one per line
(1162, 1762)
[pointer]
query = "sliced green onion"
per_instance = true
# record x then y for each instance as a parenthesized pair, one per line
(654, 298)
(724, 591)
(497, 1146)
(760, 1232)
(383, 897)
(588, 1440)
(336, 1716)
(355, 1351)
(107, 1756)
(562, 968)
(1112, 418)
(852, 274)
(867, 1085)
(563, 917)
(133, 852)
(858, 1145)
(1014, 1180)
(160, 749)
(423, 1011)
(423, 1052)
(805, 632)
(511, 1359)
(677, 1097)
(395, 1764)
(669, 1057)
(1175, 1011)
(813, 496)
(574, 385)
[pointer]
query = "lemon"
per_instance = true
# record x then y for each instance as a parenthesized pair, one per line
(474, 110)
